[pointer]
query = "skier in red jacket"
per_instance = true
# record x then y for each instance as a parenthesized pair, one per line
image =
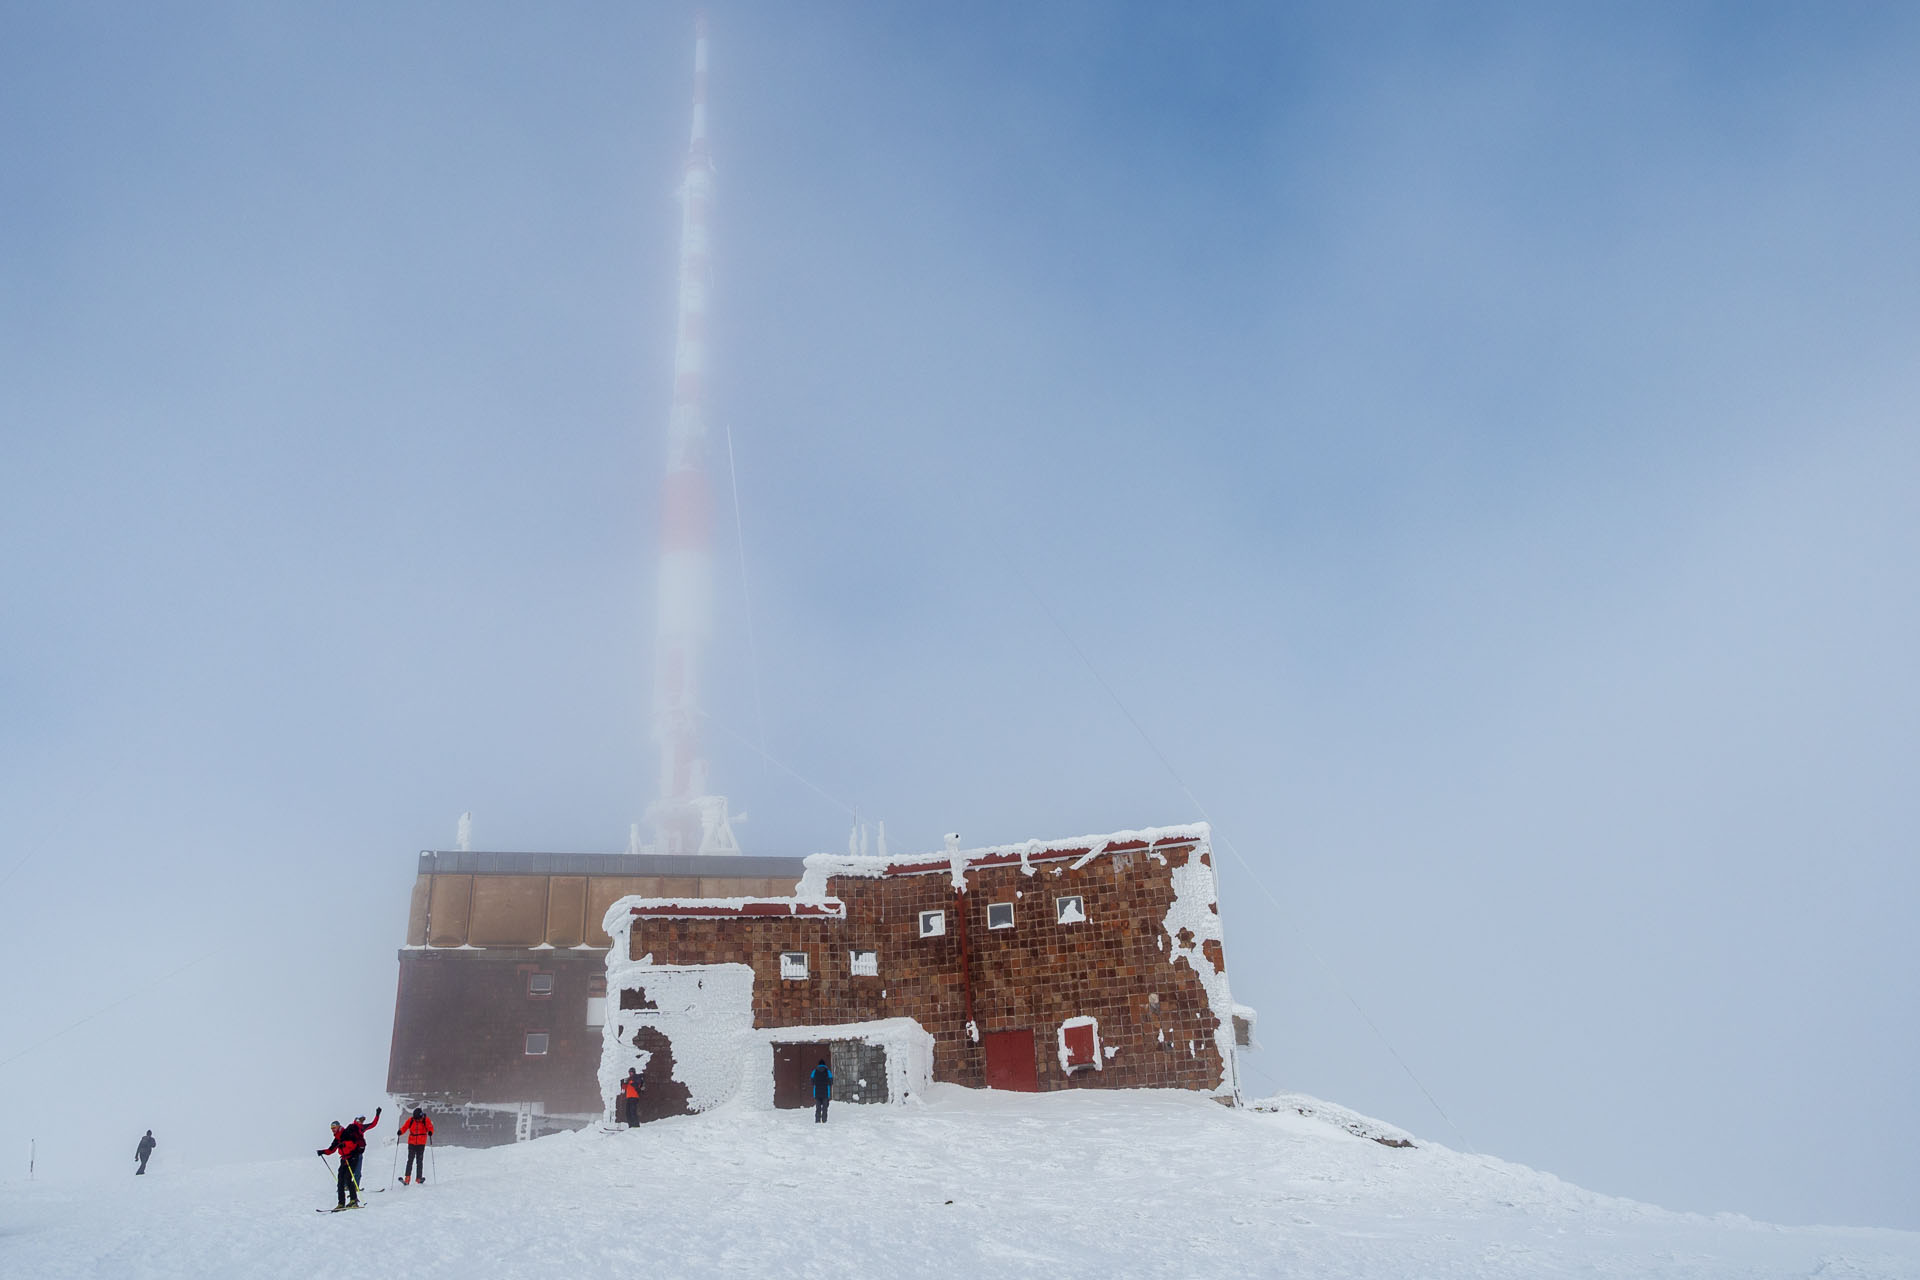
(351, 1142)
(419, 1130)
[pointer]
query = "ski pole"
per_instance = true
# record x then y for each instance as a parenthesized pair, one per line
(396, 1153)
(434, 1158)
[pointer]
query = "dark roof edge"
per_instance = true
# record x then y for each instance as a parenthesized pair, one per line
(465, 862)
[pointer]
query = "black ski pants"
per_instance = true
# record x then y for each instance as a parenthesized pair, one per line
(347, 1180)
(417, 1159)
(143, 1162)
(820, 1110)
(633, 1112)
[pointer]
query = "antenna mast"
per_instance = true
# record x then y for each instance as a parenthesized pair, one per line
(685, 818)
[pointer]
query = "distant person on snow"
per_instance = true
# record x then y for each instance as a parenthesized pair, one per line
(144, 1151)
(630, 1092)
(822, 1078)
(351, 1142)
(418, 1130)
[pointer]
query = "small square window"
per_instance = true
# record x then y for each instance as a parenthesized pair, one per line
(932, 923)
(793, 964)
(539, 984)
(866, 964)
(536, 1044)
(1070, 909)
(1000, 915)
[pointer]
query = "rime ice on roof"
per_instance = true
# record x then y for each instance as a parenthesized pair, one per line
(823, 866)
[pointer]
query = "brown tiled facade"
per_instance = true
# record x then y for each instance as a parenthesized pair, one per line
(1158, 1019)
(461, 1022)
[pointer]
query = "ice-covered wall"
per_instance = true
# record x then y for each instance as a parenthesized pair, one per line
(1191, 923)
(704, 1011)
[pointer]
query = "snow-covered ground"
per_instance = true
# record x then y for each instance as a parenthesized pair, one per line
(969, 1183)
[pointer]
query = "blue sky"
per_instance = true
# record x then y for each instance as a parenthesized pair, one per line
(1476, 445)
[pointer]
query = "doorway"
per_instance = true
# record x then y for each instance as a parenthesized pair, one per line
(1010, 1061)
(792, 1065)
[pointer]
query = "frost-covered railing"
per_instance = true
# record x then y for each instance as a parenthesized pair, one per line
(729, 908)
(1080, 850)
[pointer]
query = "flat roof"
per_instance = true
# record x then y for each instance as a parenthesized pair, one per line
(475, 862)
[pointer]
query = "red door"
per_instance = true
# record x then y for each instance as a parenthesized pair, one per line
(1010, 1061)
(793, 1066)
(1081, 1047)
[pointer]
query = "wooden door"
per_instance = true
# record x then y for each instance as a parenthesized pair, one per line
(792, 1065)
(1010, 1061)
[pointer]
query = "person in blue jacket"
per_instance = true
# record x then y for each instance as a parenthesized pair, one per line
(822, 1078)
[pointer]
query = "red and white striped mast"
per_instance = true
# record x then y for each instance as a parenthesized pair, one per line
(685, 818)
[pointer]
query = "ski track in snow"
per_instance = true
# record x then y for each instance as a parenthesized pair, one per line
(1084, 1183)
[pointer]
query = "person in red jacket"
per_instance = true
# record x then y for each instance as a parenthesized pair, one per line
(630, 1094)
(351, 1142)
(418, 1130)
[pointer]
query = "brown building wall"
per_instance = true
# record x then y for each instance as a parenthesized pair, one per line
(508, 911)
(1113, 966)
(462, 1018)
(449, 900)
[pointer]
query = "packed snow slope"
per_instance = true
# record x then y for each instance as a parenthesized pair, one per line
(1081, 1183)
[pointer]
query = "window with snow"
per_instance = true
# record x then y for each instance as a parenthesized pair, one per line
(932, 923)
(536, 1044)
(596, 1011)
(1000, 915)
(539, 984)
(1080, 1044)
(793, 964)
(866, 964)
(1070, 910)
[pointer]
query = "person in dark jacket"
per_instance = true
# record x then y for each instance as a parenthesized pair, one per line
(822, 1078)
(144, 1150)
(418, 1130)
(351, 1142)
(630, 1094)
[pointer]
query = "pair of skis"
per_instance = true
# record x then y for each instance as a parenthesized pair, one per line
(358, 1205)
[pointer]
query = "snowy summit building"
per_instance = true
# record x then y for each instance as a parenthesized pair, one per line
(1095, 962)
